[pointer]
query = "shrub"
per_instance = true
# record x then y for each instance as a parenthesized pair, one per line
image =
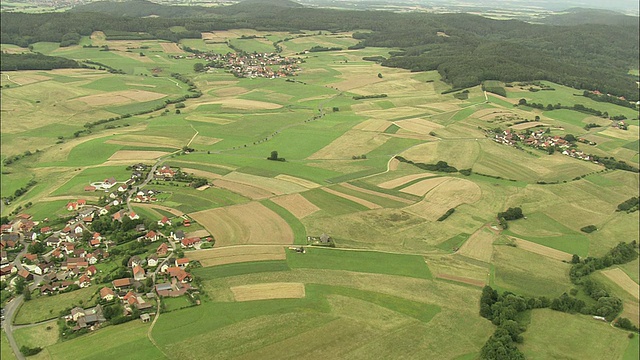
(589, 229)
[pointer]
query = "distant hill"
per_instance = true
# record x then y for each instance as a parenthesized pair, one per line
(144, 8)
(580, 16)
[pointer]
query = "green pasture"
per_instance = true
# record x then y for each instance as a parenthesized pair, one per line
(42, 335)
(330, 204)
(454, 242)
(48, 307)
(5, 348)
(222, 271)
(568, 97)
(632, 351)
(188, 199)
(202, 45)
(48, 209)
(527, 273)
(272, 323)
(557, 335)
(382, 201)
(360, 261)
(252, 45)
(544, 230)
(76, 185)
(299, 231)
(127, 340)
(177, 303)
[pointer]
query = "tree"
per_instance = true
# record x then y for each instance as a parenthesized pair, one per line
(380, 75)
(274, 155)
(198, 67)
(575, 259)
(27, 293)
(537, 118)
(522, 102)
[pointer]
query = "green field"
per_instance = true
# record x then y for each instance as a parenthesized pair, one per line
(42, 335)
(361, 261)
(554, 335)
(5, 349)
(49, 307)
(221, 271)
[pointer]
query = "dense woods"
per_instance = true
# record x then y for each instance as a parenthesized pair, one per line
(593, 57)
(31, 61)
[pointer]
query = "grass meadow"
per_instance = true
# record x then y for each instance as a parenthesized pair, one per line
(49, 307)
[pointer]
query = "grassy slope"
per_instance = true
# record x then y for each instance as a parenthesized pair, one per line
(49, 307)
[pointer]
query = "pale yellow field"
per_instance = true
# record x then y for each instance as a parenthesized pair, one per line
(391, 184)
(201, 173)
(542, 250)
(362, 202)
(268, 291)
(205, 140)
(424, 186)
(353, 142)
(23, 78)
(146, 141)
(161, 207)
(393, 164)
(474, 282)
(210, 119)
(528, 125)
(420, 126)
(272, 185)
(623, 280)
(251, 223)
(447, 195)
(375, 125)
(246, 190)
(376, 193)
(298, 181)
(231, 91)
(630, 134)
(296, 204)
(242, 104)
(136, 155)
(171, 48)
(480, 245)
(236, 254)
(120, 97)
(197, 233)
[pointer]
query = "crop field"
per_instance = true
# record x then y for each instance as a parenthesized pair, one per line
(238, 254)
(230, 225)
(402, 279)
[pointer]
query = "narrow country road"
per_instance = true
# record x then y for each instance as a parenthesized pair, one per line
(9, 313)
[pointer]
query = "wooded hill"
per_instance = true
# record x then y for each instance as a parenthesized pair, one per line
(587, 56)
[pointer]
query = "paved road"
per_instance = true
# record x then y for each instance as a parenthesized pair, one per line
(9, 313)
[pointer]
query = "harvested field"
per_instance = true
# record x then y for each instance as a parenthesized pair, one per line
(205, 140)
(171, 48)
(424, 186)
(201, 173)
(419, 126)
(393, 164)
(251, 223)
(298, 181)
(145, 141)
(136, 155)
(371, 192)
(161, 207)
(489, 114)
(197, 233)
(461, 279)
(362, 202)
(272, 185)
(542, 250)
(392, 184)
(528, 125)
(26, 79)
(210, 119)
(120, 97)
(445, 106)
(373, 125)
(449, 194)
(245, 190)
(353, 142)
(624, 281)
(480, 245)
(242, 104)
(296, 204)
(231, 91)
(238, 254)
(268, 291)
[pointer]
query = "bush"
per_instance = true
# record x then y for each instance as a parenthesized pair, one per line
(447, 214)
(589, 229)
(27, 351)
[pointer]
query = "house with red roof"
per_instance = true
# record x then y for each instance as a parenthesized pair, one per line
(107, 294)
(124, 283)
(164, 221)
(162, 250)
(138, 273)
(190, 242)
(182, 263)
(151, 235)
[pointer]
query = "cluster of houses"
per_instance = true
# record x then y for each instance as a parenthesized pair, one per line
(265, 65)
(165, 172)
(540, 140)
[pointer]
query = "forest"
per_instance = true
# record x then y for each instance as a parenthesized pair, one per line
(465, 49)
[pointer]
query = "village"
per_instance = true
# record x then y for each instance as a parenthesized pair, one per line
(132, 262)
(540, 139)
(264, 65)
